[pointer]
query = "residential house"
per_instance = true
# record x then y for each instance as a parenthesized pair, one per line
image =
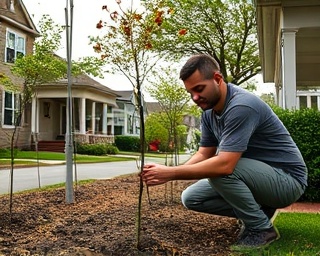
(289, 39)
(17, 35)
(126, 116)
(98, 113)
(92, 112)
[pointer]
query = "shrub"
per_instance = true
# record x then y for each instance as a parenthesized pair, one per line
(128, 143)
(96, 149)
(303, 126)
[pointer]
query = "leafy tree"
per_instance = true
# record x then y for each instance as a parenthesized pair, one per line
(226, 30)
(268, 98)
(125, 45)
(43, 66)
(6, 83)
(174, 102)
(156, 130)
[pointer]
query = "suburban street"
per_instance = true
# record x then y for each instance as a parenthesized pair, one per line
(27, 178)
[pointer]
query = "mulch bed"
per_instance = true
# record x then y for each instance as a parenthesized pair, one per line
(103, 221)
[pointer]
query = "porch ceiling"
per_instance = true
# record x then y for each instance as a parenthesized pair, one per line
(270, 23)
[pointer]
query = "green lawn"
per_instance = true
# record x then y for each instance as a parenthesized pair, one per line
(30, 157)
(300, 236)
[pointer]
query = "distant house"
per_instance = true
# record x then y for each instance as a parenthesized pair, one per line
(98, 113)
(17, 35)
(289, 39)
(126, 116)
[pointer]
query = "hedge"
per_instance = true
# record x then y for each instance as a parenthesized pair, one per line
(128, 143)
(99, 149)
(303, 125)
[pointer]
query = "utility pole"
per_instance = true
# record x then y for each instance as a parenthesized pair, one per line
(69, 136)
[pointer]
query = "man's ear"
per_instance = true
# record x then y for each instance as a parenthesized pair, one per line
(218, 77)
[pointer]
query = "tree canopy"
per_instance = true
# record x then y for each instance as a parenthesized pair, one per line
(125, 41)
(226, 30)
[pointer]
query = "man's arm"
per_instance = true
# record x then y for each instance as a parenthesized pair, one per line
(202, 154)
(216, 166)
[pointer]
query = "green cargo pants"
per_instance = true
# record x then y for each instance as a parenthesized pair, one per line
(243, 194)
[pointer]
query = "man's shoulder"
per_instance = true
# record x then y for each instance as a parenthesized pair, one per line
(240, 96)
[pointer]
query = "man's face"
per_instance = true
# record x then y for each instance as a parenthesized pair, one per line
(204, 92)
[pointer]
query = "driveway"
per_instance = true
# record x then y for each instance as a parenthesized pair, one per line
(32, 177)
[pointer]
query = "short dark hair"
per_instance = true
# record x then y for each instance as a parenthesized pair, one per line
(202, 62)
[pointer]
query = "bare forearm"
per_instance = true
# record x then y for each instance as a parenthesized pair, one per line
(207, 168)
(201, 155)
(215, 166)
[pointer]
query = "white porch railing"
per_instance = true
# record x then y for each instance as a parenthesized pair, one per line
(308, 99)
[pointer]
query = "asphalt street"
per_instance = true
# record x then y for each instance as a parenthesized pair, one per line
(29, 178)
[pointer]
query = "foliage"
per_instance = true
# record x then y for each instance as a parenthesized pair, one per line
(303, 126)
(174, 103)
(5, 82)
(98, 149)
(128, 143)
(125, 43)
(43, 65)
(126, 47)
(268, 98)
(156, 130)
(226, 30)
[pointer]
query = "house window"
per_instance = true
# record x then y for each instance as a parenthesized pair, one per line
(11, 108)
(15, 46)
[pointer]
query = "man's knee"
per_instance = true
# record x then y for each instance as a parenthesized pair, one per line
(186, 199)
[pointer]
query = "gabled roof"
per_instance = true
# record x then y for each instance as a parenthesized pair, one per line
(18, 17)
(153, 107)
(125, 95)
(84, 80)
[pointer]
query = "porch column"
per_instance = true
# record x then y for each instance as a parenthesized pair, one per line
(298, 103)
(35, 115)
(308, 101)
(82, 118)
(289, 68)
(125, 123)
(93, 117)
(104, 118)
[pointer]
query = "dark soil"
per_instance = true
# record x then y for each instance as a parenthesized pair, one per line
(102, 221)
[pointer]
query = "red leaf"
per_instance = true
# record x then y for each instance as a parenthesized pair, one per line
(182, 32)
(99, 24)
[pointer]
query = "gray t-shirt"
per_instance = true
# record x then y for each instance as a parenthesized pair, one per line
(248, 125)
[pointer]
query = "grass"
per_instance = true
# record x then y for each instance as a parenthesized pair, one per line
(54, 186)
(30, 157)
(300, 236)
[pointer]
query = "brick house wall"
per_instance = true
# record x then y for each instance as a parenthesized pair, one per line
(17, 20)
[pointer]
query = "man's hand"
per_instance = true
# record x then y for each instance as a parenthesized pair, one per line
(156, 174)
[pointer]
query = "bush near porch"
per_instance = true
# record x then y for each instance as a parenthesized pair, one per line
(128, 143)
(98, 149)
(303, 126)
